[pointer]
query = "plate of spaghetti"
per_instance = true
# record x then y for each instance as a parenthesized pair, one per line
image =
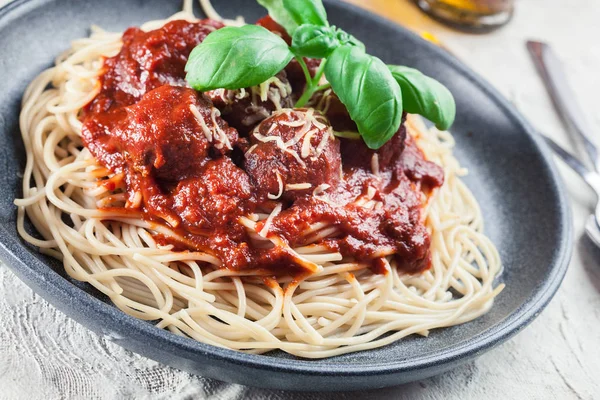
(268, 192)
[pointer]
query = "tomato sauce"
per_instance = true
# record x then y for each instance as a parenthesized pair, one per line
(184, 166)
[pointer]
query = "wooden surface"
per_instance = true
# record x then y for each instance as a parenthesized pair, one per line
(45, 355)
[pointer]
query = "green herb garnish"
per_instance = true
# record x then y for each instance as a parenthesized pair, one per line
(368, 90)
(425, 96)
(235, 58)
(374, 94)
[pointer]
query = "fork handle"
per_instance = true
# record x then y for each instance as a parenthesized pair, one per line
(553, 75)
(591, 178)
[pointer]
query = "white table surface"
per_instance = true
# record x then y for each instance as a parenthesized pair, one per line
(45, 355)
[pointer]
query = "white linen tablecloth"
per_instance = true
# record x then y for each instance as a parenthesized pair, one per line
(45, 355)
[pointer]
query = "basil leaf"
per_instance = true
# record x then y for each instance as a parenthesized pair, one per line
(235, 58)
(320, 41)
(307, 12)
(346, 38)
(425, 96)
(367, 88)
(279, 14)
(314, 41)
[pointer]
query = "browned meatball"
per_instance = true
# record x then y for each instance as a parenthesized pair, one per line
(356, 154)
(243, 109)
(169, 134)
(292, 153)
(399, 155)
(148, 60)
(216, 198)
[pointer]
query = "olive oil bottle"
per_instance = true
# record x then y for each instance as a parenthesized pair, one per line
(472, 15)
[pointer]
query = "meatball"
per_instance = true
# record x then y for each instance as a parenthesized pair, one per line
(400, 155)
(356, 154)
(243, 109)
(216, 198)
(169, 134)
(148, 60)
(292, 153)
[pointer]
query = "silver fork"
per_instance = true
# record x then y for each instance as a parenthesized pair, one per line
(552, 73)
(590, 177)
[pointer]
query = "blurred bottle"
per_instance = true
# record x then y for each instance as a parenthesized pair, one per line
(472, 15)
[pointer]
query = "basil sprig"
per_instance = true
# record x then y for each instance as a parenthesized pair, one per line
(374, 94)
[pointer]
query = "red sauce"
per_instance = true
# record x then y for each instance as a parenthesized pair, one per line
(149, 60)
(185, 167)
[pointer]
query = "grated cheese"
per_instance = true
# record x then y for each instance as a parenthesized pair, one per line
(375, 164)
(323, 142)
(250, 150)
(280, 183)
(297, 186)
(216, 133)
(306, 145)
(220, 134)
(241, 94)
(207, 132)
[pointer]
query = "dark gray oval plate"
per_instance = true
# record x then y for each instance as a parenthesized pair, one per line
(511, 175)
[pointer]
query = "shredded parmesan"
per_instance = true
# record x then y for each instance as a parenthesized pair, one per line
(220, 134)
(207, 132)
(299, 135)
(318, 123)
(298, 186)
(272, 128)
(323, 142)
(371, 191)
(325, 101)
(280, 183)
(273, 89)
(293, 124)
(307, 120)
(306, 145)
(297, 157)
(241, 94)
(266, 139)
(250, 150)
(375, 164)
(216, 133)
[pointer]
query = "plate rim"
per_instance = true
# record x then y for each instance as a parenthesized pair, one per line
(29, 271)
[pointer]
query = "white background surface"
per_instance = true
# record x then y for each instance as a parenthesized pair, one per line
(45, 355)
